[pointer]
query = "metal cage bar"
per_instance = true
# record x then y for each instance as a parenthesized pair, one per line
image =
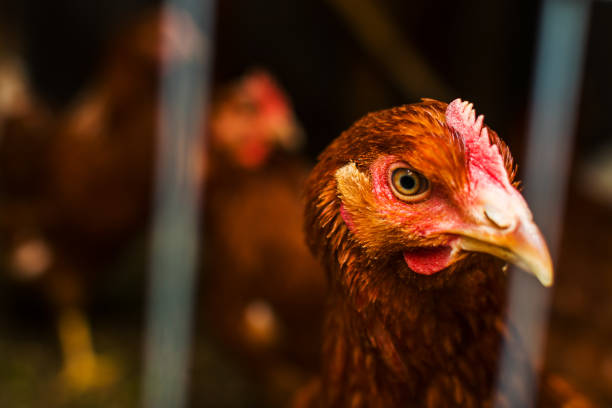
(175, 245)
(553, 112)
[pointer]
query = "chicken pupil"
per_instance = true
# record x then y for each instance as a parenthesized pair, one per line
(407, 182)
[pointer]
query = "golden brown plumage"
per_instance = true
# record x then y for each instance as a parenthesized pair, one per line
(417, 302)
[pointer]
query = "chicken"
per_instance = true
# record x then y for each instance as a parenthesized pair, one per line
(413, 212)
(263, 292)
(78, 186)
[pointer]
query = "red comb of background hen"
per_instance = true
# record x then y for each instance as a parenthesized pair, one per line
(461, 117)
(270, 99)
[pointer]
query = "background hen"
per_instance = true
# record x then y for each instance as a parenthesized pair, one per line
(263, 292)
(405, 210)
(85, 196)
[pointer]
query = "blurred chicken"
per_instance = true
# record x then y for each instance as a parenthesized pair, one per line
(263, 290)
(413, 212)
(252, 120)
(77, 187)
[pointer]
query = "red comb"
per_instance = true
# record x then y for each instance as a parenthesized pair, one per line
(461, 117)
(265, 90)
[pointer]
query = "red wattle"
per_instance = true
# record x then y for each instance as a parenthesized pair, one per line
(427, 261)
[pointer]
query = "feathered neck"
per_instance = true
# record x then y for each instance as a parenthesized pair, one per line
(412, 345)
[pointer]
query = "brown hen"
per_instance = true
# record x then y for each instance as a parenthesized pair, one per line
(264, 292)
(78, 186)
(413, 211)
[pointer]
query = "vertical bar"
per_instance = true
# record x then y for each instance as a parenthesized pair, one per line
(184, 88)
(554, 107)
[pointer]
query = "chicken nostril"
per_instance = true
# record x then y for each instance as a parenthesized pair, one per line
(498, 217)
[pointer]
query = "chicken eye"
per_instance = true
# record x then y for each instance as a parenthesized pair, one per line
(408, 185)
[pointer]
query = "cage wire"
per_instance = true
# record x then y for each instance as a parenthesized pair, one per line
(184, 91)
(553, 113)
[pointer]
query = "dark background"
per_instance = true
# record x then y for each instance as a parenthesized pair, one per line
(480, 51)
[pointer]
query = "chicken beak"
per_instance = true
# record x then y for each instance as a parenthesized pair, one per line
(512, 236)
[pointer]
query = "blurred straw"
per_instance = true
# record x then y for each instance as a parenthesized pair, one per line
(554, 108)
(186, 52)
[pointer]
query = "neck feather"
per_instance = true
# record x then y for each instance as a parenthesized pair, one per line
(393, 340)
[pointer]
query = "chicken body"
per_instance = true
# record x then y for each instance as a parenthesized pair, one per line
(412, 212)
(264, 291)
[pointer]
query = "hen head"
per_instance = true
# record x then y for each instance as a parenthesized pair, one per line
(252, 119)
(419, 189)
